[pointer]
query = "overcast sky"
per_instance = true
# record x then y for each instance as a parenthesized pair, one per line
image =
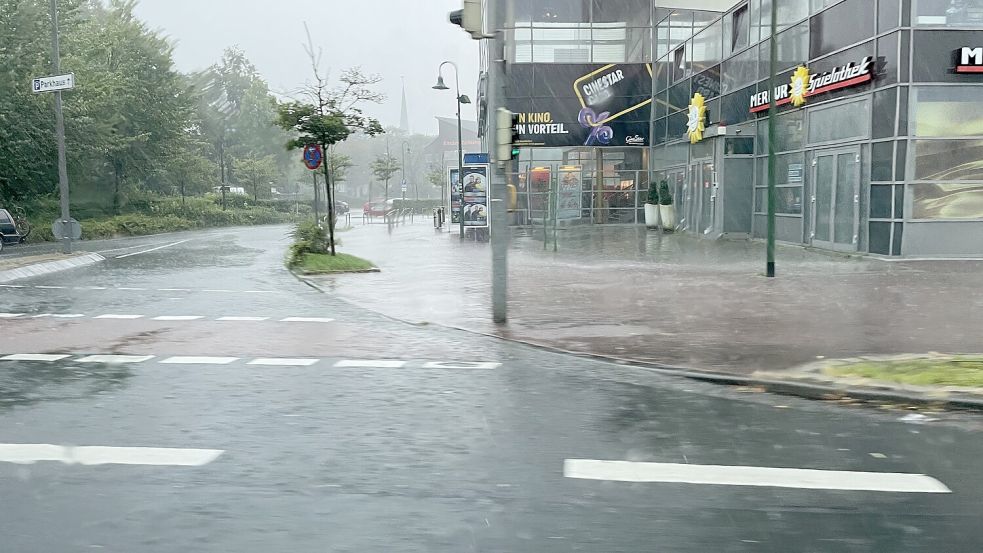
(392, 38)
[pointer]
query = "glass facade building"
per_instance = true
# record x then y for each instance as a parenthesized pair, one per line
(882, 155)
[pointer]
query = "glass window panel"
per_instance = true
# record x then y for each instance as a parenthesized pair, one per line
(840, 122)
(735, 108)
(846, 187)
(680, 68)
(880, 237)
(903, 110)
(662, 39)
(885, 106)
(935, 56)
(788, 200)
(840, 26)
(706, 47)
(736, 30)
(904, 63)
(550, 11)
(946, 111)
(739, 146)
(888, 15)
(887, 60)
(948, 160)
(660, 132)
(898, 235)
(824, 195)
(793, 50)
(899, 201)
(901, 155)
(949, 13)
(881, 203)
(635, 13)
(661, 69)
(791, 132)
(707, 83)
(680, 27)
(791, 12)
(676, 126)
(679, 96)
(840, 59)
(947, 201)
(882, 161)
(764, 31)
(739, 71)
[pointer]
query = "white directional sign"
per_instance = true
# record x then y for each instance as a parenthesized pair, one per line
(52, 84)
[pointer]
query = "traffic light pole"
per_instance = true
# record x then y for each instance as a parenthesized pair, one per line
(498, 187)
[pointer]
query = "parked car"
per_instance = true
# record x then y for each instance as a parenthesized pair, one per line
(13, 230)
(379, 208)
(341, 208)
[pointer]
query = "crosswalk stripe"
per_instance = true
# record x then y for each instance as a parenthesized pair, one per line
(306, 320)
(626, 471)
(33, 357)
(199, 360)
(115, 359)
(370, 364)
(243, 319)
(120, 317)
(178, 318)
(10, 315)
(27, 454)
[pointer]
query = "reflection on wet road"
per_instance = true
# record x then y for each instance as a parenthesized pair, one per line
(279, 418)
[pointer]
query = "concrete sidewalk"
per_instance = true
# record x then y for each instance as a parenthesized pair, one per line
(672, 300)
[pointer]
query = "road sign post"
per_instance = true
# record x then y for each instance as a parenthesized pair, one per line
(56, 84)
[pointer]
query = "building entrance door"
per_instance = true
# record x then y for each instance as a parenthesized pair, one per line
(836, 199)
(700, 197)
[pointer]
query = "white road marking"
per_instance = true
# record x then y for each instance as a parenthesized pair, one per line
(12, 286)
(33, 357)
(115, 359)
(130, 289)
(199, 360)
(10, 315)
(258, 292)
(243, 319)
(95, 288)
(178, 318)
(120, 317)
(152, 249)
(306, 320)
(69, 316)
(173, 289)
(26, 454)
(461, 365)
(219, 291)
(50, 287)
(42, 316)
(284, 362)
(371, 364)
(625, 471)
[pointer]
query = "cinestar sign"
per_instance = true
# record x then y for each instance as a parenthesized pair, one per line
(851, 74)
(970, 60)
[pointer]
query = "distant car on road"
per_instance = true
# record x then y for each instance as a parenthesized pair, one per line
(341, 208)
(378, 208)
(13, 230)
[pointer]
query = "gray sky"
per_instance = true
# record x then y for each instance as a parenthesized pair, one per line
(392, 38)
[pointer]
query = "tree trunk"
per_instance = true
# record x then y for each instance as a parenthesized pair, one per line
(182, 195)
(327, 187)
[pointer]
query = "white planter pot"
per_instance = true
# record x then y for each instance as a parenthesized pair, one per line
(651, 215)
(668, 213)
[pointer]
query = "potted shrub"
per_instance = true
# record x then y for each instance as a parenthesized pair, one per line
(652, 207)
(666, 209)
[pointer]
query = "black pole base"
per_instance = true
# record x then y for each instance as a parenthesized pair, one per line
(771, 269)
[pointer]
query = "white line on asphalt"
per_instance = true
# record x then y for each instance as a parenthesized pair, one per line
(306, 320)
(69, 316)
(372, 364)
(12, 286)
(115, 359)
(178, 318)
(243, 319)
(128, 289)
(32, 357)
(152, 249)
(461, 365)
(258, 292)
(219, 291)
(26, 454)
(283, 362)
(42, 316)
(51, 287)
(10, 315)
(94, 288)
(625, 471)
(173, 289)
(199, 360)
(121, 249)
(120, 317)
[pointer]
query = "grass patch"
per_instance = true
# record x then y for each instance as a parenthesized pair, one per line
(321, 263)
(962, 371)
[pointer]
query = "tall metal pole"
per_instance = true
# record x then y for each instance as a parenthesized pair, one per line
(402, 153)
(497, 188)
(772, 113)
(460, 148)
(66, 241)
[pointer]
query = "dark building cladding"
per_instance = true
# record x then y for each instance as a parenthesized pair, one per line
(879, 126)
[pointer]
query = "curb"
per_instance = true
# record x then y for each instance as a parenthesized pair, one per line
(48, 267)
(771, 385)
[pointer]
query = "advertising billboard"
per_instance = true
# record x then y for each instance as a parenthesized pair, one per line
(561, 105)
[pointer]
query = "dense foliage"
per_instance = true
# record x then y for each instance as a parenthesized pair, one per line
(136, 128)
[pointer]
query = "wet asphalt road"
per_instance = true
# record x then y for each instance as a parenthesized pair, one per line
(328, 457)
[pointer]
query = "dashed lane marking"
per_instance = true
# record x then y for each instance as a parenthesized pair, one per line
(178, 318)
(721, 475)
(242, 319)
(370, 364)
(33, 357)
(119, 317)
(269, 362)
(10, 315)
(152, 249)
(306, 320)
(465, 365)
(50, 287)
(140, 289)
(199, 360)
(115, 359)
(28, 454)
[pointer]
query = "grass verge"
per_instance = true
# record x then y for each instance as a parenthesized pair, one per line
(962, 371)
(321, 264)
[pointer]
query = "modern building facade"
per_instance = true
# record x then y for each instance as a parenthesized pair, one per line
(879, 130)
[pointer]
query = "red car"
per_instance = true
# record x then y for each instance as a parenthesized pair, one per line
(378, 208)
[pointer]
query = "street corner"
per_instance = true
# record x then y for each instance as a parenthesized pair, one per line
(928, 379)
(38, 265)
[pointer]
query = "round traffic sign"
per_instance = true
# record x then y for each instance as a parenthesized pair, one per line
(312, 156)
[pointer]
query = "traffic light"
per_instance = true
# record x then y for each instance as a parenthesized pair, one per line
(507, 135)
(469, 18)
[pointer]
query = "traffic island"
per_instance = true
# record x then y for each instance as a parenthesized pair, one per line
(309, 264)
(936, 379)
(38, 265)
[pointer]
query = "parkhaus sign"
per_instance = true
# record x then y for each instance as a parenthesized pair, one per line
(804, 84)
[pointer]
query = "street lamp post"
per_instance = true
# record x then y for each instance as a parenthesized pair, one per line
(461, 99)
